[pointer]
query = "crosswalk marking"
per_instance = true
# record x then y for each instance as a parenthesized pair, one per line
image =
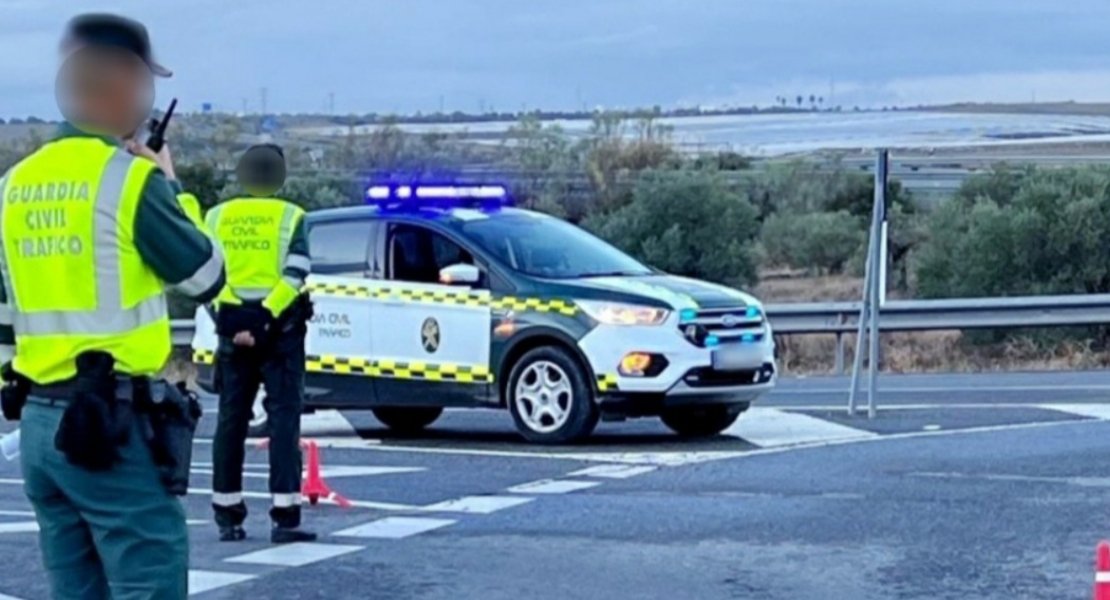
(19, 527)
(552, 486)
(262, 472)
(482, 505)
(1099, 411)
(770, 428)
(395, 528)
(206, 581)
(612, 471)
(294, 555)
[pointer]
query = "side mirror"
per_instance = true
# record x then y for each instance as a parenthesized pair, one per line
(459, 274)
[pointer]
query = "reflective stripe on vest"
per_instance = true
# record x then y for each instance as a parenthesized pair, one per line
(108, 317)
(255, 234)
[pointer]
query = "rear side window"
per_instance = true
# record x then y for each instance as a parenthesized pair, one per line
(341, 247)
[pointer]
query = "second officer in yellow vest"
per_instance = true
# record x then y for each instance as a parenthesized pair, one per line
(261, 319)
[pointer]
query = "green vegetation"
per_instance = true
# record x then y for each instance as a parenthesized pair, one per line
(719, 217)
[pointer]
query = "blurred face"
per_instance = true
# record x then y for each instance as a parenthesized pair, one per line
(105, 90)
(261, 171)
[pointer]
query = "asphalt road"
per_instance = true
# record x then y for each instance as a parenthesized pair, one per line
(964, 486)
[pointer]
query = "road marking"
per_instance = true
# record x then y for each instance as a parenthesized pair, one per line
(294, 555)
(842, 408)
(770, 427)
(206, 581)
(326, 422)
(552, 486)
(358, 503)
(956, 388)
(327, 472)
(612, 471)
(482, 505)
(395, 528)
(1093, 482)
(20, 527)
(7, 597)
(17, 513)
(1095, 411)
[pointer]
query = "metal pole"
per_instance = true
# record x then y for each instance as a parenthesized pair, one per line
(869, 283)
(857, 362)
(877, 292)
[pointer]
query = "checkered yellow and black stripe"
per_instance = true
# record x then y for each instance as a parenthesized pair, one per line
(460, 298)
(607, 383)
(204, 357)
(563, 307)
(398, 370)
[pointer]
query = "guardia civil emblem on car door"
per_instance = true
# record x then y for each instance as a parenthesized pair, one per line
(429, 335)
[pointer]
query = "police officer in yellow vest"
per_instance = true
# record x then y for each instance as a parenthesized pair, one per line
(261, 319)
(92, 235)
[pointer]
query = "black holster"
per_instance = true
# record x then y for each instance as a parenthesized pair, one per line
(297, 315)
(96, 423)
(168, 415)
(13, 396)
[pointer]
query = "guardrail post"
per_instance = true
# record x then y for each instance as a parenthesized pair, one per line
(839, 370)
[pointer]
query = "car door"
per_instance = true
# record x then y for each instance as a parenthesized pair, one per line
(339, 334)
(432, 339)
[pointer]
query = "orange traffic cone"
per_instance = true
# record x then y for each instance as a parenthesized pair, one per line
(315, 488)
(1102, 571)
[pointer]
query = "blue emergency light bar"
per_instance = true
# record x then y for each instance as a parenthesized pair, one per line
(438, 196)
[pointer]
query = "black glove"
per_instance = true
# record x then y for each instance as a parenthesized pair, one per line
(252, 317)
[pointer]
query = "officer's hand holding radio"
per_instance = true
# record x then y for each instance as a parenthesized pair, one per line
(162, 158)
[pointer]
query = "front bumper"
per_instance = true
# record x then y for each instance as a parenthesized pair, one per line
(689, 376)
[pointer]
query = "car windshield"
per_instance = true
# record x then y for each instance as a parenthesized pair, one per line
(542, 246)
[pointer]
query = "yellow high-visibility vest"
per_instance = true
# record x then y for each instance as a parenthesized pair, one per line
(74, 278)
(254, 234)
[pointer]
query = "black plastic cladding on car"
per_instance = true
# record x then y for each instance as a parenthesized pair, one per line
(708, 377)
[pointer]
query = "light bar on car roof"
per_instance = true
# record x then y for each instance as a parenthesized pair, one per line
(403, 192)
(406, 196)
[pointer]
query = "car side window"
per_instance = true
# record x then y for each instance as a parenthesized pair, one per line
(416, 254)
(340, 247)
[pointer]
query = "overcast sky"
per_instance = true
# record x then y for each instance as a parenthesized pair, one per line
(408, 55)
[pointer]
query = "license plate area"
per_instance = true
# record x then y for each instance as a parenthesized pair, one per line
(735, 357)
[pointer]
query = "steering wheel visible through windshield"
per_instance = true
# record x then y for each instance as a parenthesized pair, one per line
(543, 246)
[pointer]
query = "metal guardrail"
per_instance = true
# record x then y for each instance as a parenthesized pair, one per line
(938, 315)
(906, 315)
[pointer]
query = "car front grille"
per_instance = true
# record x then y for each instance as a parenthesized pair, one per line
(736, 324)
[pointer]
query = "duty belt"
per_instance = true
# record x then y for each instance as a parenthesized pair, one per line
(63, 391)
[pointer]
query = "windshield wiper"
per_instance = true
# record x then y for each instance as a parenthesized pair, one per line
(613, 274)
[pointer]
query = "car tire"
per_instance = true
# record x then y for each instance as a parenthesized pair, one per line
(407, 419)
(702, 421)
(550, 398)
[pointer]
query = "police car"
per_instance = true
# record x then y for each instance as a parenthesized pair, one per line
(448, 296)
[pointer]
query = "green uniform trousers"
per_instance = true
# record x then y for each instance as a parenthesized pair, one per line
(115, 535)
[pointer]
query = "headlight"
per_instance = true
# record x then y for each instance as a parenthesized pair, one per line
(616, 313)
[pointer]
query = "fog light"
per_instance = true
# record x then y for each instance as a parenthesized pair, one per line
(634, 364)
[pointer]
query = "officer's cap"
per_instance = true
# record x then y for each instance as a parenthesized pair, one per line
(99, 29)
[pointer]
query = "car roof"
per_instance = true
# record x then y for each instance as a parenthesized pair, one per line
(449, 216)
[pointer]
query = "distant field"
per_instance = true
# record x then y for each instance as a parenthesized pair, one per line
(1096, 109)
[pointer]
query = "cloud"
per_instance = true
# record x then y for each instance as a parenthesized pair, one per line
(389, 55)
